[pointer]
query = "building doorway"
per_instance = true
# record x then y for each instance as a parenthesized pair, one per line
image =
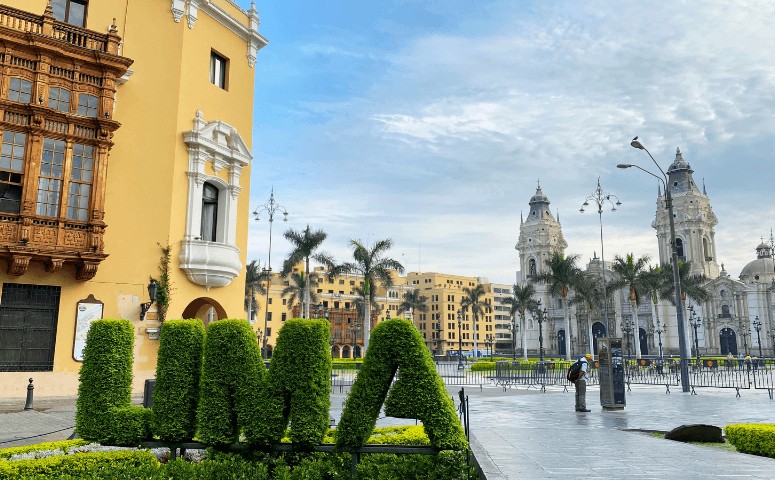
(728, 341)
(28, 326)
(644, 341)
(561, 352)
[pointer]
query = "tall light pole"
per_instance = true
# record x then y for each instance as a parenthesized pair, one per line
(695, 321)
(659, 331)
(679, 314)
(601, 198)
(757, 325)
(269, 209)
(460, 365)
(542, 317)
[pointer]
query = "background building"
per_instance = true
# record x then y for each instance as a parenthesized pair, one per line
(126, 155)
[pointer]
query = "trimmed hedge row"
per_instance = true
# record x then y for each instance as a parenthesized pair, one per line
(232, 384)
(178, 370)
(756, 439)
(88, 465)
(103, 412)
(299, 384)
(397, 346)
(63, 445)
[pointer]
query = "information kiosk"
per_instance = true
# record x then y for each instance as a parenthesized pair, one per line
(611, 373)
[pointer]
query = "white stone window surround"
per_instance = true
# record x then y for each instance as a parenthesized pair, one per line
(213, 264)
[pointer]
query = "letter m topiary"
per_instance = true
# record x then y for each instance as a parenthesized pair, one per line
(397, 347)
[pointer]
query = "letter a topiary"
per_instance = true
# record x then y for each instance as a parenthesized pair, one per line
(233, 378)
(299, 386)
(419, 392)
(177, 379)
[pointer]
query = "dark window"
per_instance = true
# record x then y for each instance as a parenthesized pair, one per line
(11, 164)
(80, 183)
(59, 99)
(50, 181)
(209, 212)
(284, 316)
(20, 90)
(679, 248)
(87, 105)
(70, 11)
(218, 69)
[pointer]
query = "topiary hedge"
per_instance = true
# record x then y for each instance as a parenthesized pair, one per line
(178, 370)
(86, 465)
(299, 386)
(105, 387)
(756, 439)
(419, 392)
(232, 383)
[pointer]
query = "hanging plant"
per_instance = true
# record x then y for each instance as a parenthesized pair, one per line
(165, 286)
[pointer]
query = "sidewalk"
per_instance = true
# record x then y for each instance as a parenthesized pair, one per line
(525, 434)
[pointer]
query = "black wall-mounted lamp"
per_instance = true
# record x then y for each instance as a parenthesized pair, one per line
(144, 307)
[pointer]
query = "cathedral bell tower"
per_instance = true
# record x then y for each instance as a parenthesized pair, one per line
(694, 221)
(540, 236)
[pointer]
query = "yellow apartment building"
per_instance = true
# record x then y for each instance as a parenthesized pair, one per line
(126, 128)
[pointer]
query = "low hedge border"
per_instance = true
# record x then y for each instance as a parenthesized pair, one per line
(63, 446)
(90, 465)
(756, 439)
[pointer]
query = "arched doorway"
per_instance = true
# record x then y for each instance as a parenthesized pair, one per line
(346, 351)
(357, 351)
(561, 343)
(204, 308)
(598, 330)
(728, 341)
(644, 341)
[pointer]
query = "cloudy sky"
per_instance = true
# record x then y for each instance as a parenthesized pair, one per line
(430, 122)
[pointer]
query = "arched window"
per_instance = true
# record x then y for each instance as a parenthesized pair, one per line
(209, 212)
(706, 250)
(532, 267)
(679, 248)
(725, 311)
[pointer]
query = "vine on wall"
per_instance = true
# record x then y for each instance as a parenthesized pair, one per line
(163, 294)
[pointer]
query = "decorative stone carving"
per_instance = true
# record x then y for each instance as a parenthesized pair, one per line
(86, 270)
(178, 10)
(18, 264)
(54, 264)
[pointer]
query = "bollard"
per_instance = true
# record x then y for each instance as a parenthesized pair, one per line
(30, 388)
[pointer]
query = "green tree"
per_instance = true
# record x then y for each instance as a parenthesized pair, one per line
(652, 281)
(472, 298)
(521, 301)
(413, 300)
(692, 286)
(587, 292)
(562, 276)
(628, 272)
(374, 267)
(296, 289)
(305, 244)
(255, 278)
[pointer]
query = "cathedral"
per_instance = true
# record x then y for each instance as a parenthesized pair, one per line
(738, 317)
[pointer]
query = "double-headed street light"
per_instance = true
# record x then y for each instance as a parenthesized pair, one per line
(757, 325)
(679, 314)
(601, 198)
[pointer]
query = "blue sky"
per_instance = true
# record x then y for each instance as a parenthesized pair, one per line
(430, 123)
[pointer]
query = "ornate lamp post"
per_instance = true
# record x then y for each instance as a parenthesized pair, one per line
(270, 209)
(695, 321)
(438, 338)
(745, 332)
(460, 365)
(659, 331)
(627, 329)
(543, 316)
(679, 315)
(757, 325)
(354, 330)
(489, 340)
(514, 331)
(600, 198)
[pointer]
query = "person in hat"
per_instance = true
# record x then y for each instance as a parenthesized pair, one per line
(581, 384)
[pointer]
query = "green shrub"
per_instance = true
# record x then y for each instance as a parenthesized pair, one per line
(178, 370)
(448, 465)
(481, 366)
(63, 445)
(232, 383)
(128, 426)
(89, 465)
(756, 439)
(105, 378)
(299, 385)
(419, 392)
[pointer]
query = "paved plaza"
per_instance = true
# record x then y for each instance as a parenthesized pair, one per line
(525, 434)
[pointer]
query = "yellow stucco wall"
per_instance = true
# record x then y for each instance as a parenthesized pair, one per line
(147, 185)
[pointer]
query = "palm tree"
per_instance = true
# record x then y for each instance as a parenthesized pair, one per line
(375, 268)
(521, 301)
(652, 282)
(588, 293)
(692, 286)
(562, 276)
(297, 288)
(304, 246)
(628, 273)
(413, 300)
(254, 284)
(472, 297)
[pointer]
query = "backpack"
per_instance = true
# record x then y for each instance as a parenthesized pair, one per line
(574, 371)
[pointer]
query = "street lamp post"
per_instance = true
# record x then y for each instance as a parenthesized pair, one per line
(659, 331)
(460, 365)
(627, 329)
(270, 209)
(489, 343)
(542, 317)
(679, 315)
(438, 338)
(514, 331)
(757, 325)
(745, 332)
(695, 321)
(600, 198)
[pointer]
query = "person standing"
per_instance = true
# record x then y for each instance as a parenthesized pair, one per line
(581, 384)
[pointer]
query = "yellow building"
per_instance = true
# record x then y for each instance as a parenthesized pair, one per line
(126, 127)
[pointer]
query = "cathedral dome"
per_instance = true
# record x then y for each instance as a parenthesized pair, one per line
(760, 270)
(679, 163)
(539, 197)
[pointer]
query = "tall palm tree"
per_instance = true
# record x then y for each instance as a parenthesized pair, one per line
(520, 301)
(587, 292)
(371, 264)
(412, 301)
(652, 281)
(692, 286)
(562, 276)
(305, 244)
(472, 297)
(254, 284)
(297, 288)
(628, 273)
